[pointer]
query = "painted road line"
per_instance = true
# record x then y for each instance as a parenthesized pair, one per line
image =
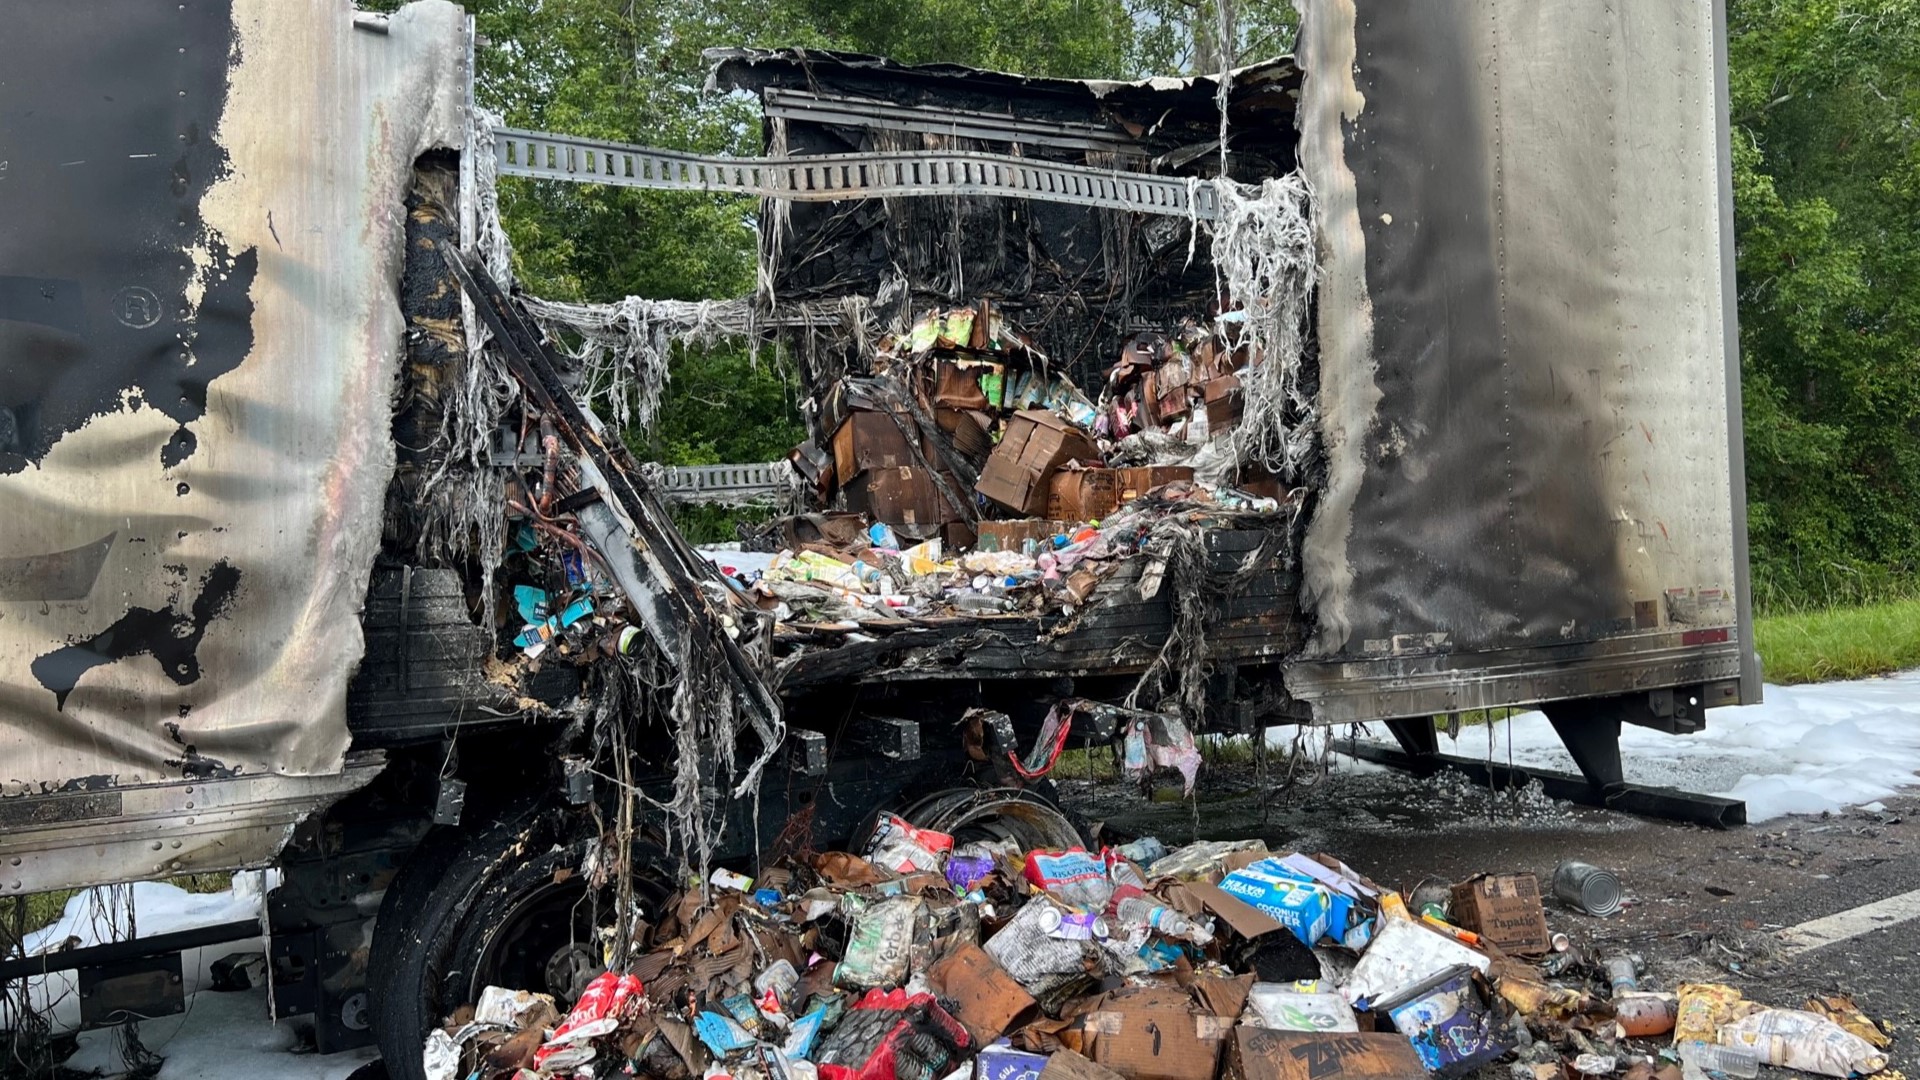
(1851, 923)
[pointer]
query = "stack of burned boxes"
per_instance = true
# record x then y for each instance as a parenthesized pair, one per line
(963, 422)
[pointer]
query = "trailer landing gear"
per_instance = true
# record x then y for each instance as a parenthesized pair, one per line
(1590, 728)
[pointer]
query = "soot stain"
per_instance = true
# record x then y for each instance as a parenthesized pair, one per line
(169, 635)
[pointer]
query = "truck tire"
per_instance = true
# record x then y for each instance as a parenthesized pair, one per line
(495, 906)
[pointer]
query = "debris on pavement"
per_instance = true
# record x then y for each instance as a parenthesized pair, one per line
(965, 954)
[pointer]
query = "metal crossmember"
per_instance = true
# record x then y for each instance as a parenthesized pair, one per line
(728, 485)
(828, 177)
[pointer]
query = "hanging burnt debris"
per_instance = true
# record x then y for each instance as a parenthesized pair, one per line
(1080, 279)
(1060, 450)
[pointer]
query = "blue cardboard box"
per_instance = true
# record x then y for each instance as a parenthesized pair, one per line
(1308, 908)
(1448, 1022)
(1000, 1061)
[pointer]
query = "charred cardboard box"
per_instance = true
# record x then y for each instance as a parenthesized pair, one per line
(957, 385)
(968, 429)
(883, 477)
(986, 1000)
(904, 497)
(1137, 481)
(1154, 1033)
(1035, 444)
(1083, 494)
(1505, 909)
(868, 439)
(1014, 535)
(1261, 1054)
(1224, 402)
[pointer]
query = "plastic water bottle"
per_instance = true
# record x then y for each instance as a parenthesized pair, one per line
(1741, 1061)
(1139, 911)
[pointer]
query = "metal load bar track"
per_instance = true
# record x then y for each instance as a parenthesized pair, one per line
(728, 485)
(830, 177)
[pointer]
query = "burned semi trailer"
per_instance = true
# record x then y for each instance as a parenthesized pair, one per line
(317, 559)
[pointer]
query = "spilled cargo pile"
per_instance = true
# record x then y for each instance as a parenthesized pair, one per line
(970, 476)
(984, 944)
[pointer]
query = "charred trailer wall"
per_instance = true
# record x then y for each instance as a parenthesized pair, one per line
(200, 251)
(1529, 374)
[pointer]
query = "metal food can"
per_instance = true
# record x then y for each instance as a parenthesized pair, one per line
(1587, 888)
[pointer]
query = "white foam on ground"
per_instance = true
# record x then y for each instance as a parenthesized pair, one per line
(1805, 750)
(220, 1034)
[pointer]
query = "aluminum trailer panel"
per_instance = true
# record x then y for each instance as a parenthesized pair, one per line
(1529, 379)
(200, 243)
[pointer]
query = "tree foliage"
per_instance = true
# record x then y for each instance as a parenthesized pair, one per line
(1827, 195)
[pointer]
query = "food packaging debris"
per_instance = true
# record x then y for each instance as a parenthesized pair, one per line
(729, 879)
(804, 1032)
(1448, 1022)
(1505, 910)
(1204, 859)
(1840, 1009)
(892, 1035)
(965, 872)
(1000, 1061)
(1805, 1041)
(1263, 1054)
(598, 1012)
(515, 1008)
(441, 1056)
(1596, 1064)
(723, 1034)
(1404, 953)
(1046, 965)
(780, 978)
(985, 998)
(1153, 1033)
(1703, 1008)
(879, 951)
(904, 849)
(1307, 908)
(1074, 877)
(1279, 1007)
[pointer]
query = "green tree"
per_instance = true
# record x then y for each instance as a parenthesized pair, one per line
(1824, 95)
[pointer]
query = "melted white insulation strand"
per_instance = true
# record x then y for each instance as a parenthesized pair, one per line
(1263, 255)
(624, 348)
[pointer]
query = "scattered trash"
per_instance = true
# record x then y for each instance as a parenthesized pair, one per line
(1803, 1040)
(954, 952)
(1505, 910)
(1449, 1022)
(1642, 1014)
(1587, 888)
(1840, 1009)
(1698, 1058)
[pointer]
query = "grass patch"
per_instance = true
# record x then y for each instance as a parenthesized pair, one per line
(1839, 643)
